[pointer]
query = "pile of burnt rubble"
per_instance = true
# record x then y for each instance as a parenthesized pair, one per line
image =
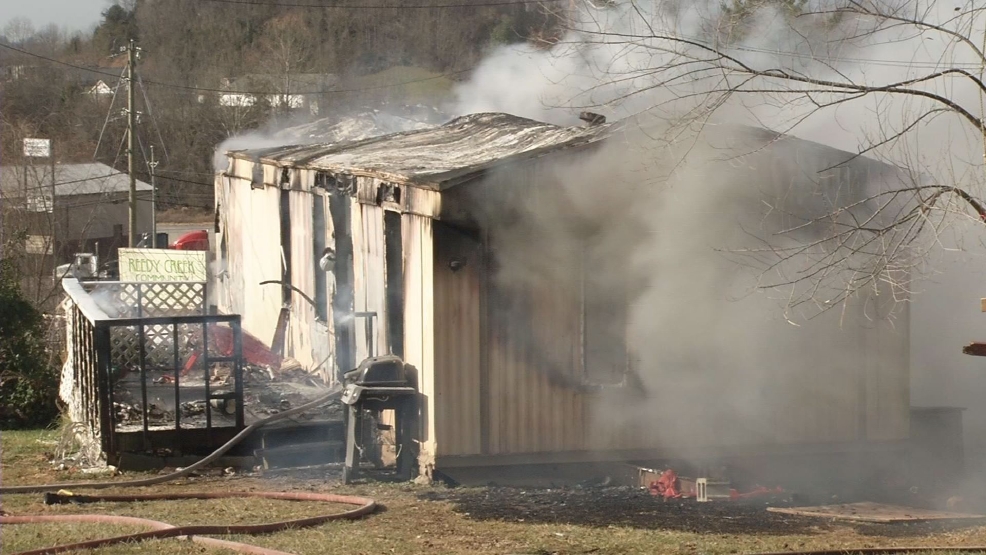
(265, 393)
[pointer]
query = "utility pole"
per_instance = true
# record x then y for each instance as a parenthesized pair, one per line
(131, 127)
(153, 164)
(54, 213)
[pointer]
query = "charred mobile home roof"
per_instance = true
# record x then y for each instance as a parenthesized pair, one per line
(438, 156)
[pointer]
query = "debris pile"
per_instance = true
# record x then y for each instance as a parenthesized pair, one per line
(265, 392)
(669, 485)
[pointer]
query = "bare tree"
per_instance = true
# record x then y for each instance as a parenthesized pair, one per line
(18, 30)
(908, 73)
(287, 45)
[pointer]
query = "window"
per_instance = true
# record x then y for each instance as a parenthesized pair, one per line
(318, 251)
(342, 296)
(388, 193)
(394, 258)
(257, 179)
(285, 246)
(604, 326)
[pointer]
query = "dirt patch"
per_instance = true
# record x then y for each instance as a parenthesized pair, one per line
(636, 508)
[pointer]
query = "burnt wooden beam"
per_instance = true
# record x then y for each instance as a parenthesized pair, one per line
(975, 349)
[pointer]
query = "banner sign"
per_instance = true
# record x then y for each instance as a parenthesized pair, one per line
(37, 148)
(162, 265)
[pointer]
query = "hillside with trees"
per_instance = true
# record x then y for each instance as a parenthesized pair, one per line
(194, 50)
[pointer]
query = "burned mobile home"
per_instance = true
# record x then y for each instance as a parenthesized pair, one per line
(421, 245)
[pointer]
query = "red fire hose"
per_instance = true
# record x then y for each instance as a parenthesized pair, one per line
(884, 551)
(165, 530)
(335, 393)
(159, 530)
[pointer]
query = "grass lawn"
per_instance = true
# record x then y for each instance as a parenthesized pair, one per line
(436, 519)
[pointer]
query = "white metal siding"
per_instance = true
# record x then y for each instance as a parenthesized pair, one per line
(419, 321)
(251, 224)
(301, 324)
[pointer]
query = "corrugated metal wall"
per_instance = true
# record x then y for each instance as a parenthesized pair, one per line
(843, 378)
(536, 405)
(457, 343)
(534, 368)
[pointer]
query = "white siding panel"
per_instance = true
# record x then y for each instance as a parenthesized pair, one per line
(419, 344)
(254, 244)
(375, 275)
(359, 277)
(301, 326)
(369, 277)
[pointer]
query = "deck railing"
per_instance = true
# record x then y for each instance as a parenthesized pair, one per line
(125, 339)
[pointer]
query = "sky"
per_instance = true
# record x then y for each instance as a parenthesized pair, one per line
(75, 15)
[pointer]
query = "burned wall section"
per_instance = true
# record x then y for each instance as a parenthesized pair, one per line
(267, 223)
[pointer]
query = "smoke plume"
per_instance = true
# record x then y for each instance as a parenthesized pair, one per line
(716, 353)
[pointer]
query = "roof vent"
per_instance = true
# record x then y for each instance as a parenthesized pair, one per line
(592, 118)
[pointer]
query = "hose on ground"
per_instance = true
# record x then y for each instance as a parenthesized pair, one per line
(160, 530)
(883, 551)
(335, 393)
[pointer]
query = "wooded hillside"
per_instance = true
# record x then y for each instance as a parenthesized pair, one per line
(362, 53)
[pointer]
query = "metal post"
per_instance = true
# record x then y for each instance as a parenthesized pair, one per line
(153, 164)
(54, 214)
(1, 224)
(174, 344)
(103, 367)
(208, 388)
(351, 466)
(142, 360)
(140, 301)
(238, 371)
(131, 125)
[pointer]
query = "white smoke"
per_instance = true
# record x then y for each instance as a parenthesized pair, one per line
(341, 127)
(717, 354)
(614, 61)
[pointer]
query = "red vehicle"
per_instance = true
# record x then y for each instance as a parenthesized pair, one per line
(192, 241)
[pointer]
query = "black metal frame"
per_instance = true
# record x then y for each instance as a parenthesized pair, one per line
(403, 402)
(91, 357)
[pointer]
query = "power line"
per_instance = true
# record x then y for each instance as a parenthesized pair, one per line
(187, 172)
(98, 177)
(29, 53)
(311, 93)
(215, 90)
(387, 6)
(57, 183)
(180, 180)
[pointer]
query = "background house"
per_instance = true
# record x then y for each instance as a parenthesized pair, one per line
(85, 210)
(524, 339)
(292, 91)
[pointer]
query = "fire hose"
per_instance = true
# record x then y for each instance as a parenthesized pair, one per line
(332, 395)
(165, 530)
(160, 530)
(884, 550)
